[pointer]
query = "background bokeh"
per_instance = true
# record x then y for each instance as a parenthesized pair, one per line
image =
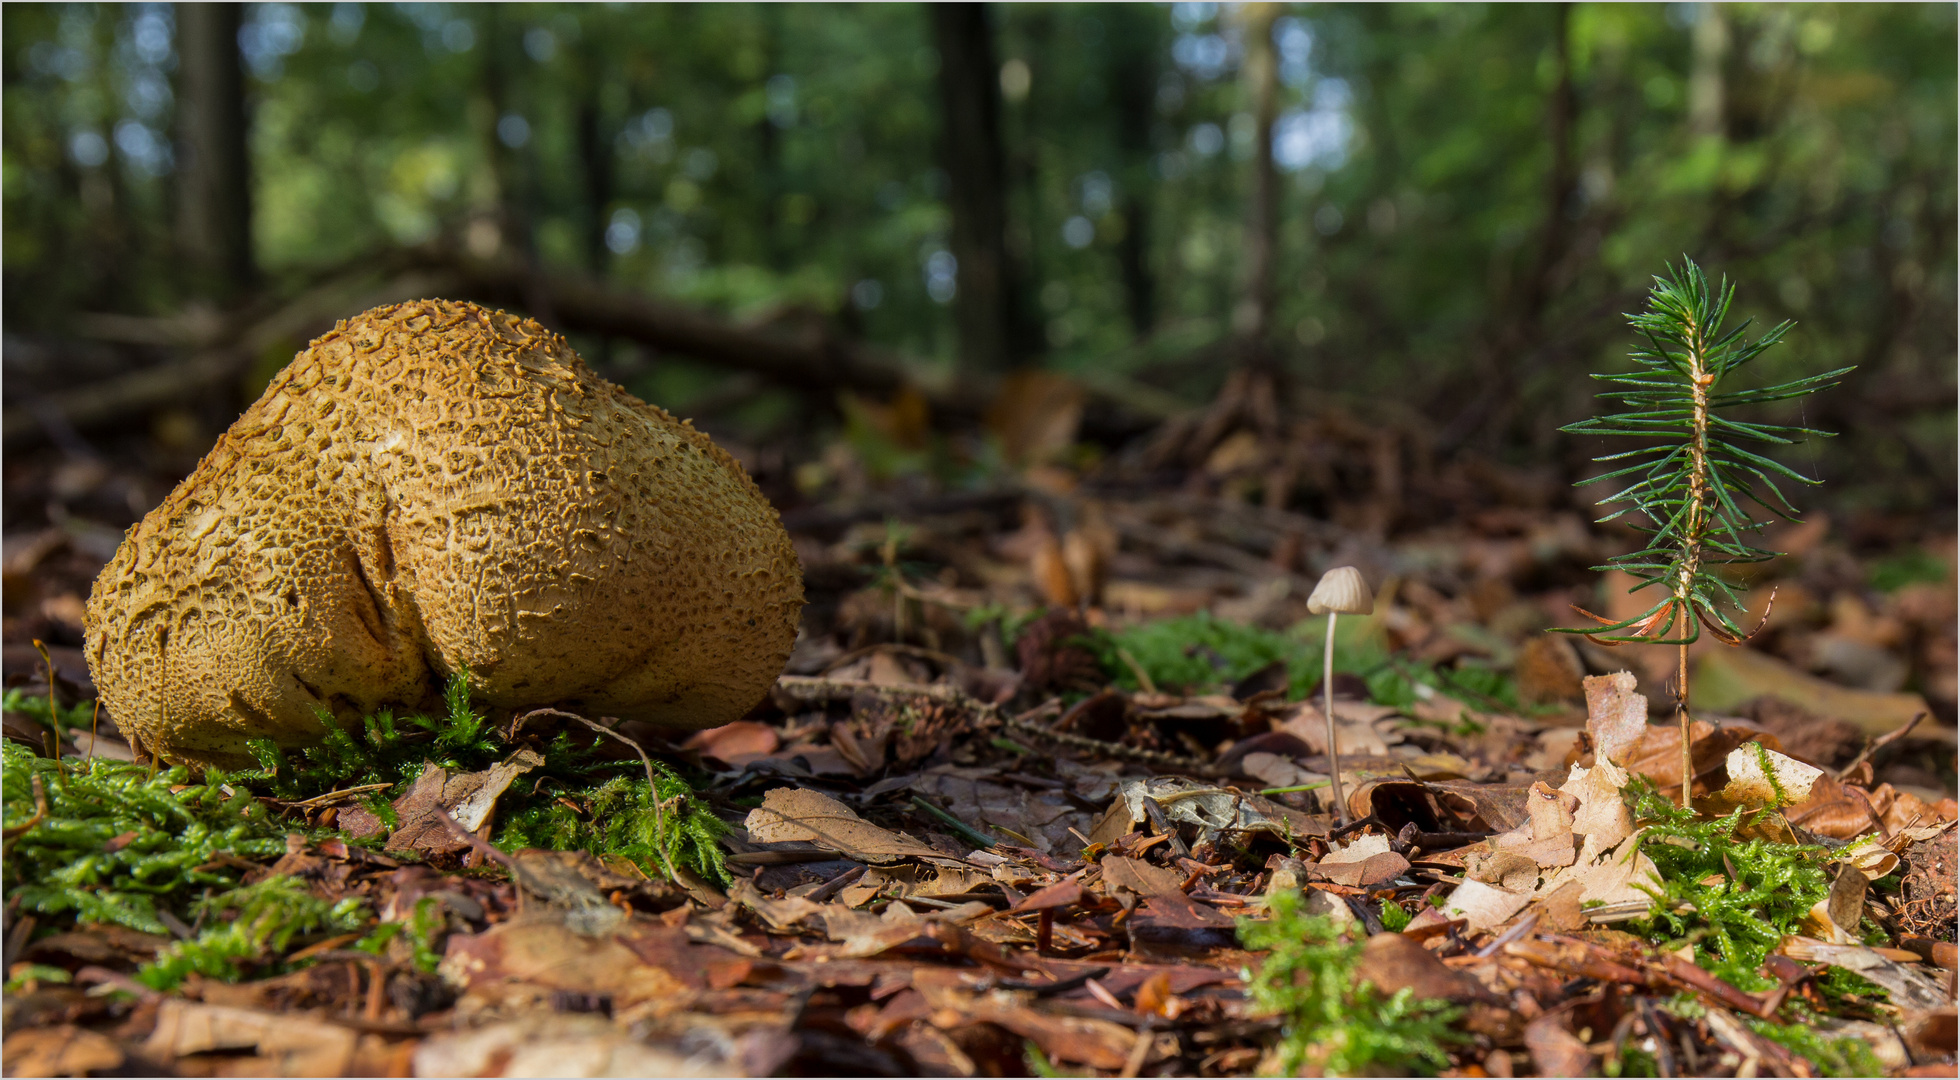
(1464, 198)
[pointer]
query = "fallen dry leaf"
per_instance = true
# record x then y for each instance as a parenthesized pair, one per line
(1555, 1051)
(61, 1050)
(1726, 678)
(470, 798)
(1616, 715)
(288, 1045)
(1366, 860)
(1138, 876)
(1908, 985)
(561, 1044)
(806, 816)
(1394, 962)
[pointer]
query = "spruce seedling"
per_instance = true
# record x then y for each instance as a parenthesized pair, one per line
(1691, 478)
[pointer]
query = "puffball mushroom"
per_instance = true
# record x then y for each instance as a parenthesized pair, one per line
(1341, 591)
(431, 487)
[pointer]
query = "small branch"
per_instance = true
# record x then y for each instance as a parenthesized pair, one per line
(334, 796)
(1873, 746)
(40, 812)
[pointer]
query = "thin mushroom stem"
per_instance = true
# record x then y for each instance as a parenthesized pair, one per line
(1327, 698)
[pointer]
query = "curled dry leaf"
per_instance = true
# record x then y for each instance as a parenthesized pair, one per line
(1759, 776)
(805, 816)
(61, 1050)
(1364, 861)
(1908, 985)
(470, 798)
(561, 1044)
(287, 1045)
(1616, 716)
(1589, 809)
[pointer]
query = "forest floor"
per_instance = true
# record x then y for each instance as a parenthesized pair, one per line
(1046, 789)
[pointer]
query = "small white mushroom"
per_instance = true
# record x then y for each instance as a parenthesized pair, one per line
(1341, 592)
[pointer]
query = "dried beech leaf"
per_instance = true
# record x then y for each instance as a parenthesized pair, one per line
(802, 815)
(1785, 781)
(1616, 716)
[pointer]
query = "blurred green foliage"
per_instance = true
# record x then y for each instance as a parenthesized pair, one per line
(1439, 242)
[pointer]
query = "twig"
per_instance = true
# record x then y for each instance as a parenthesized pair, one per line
(1523, 927)
(810, 691)
(40, 813)
(1143, 677)
(484, 848)
(837, 884)
(1872, 746)
(653, 784)
(1117, 750)
(322, 800)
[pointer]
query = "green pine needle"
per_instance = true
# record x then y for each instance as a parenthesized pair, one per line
(1696, 488)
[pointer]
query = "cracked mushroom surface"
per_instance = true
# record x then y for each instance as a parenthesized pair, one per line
(433, 486)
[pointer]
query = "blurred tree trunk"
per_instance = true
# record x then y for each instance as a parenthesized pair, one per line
(214, 178)
(513, 167)
(506, 164)
(993, 327)
(1251, 397)
(1133, 77)
(595, 151)
(769, 146)
(1507, 360)
(1707, 106)
(1252, 320)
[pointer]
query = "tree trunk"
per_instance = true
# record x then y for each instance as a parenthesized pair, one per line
(1707, 105)
(1133, 77)
(987, 308)
(1253, 319)
(595, 150)
(1503, 368)
(214, 188)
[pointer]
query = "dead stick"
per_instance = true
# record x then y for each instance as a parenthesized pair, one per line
(1873, 746)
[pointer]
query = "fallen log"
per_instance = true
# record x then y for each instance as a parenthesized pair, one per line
(812, 359)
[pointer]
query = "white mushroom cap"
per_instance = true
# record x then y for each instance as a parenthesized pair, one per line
(1341, 590)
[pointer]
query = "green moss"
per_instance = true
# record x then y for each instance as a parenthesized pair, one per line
(247, 928)
(25, 973)
(1908, 567)
(619, 817)
(1394, 917)
(1756, 890)
(385, 752)
(118, 843)
(1309, 978)
(1835, 1056)
(35, 707)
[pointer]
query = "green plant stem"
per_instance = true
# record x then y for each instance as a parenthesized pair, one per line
(1289, 790)
(1699, 379)
(1681, 714)
(1327, 696)
(966, 832)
